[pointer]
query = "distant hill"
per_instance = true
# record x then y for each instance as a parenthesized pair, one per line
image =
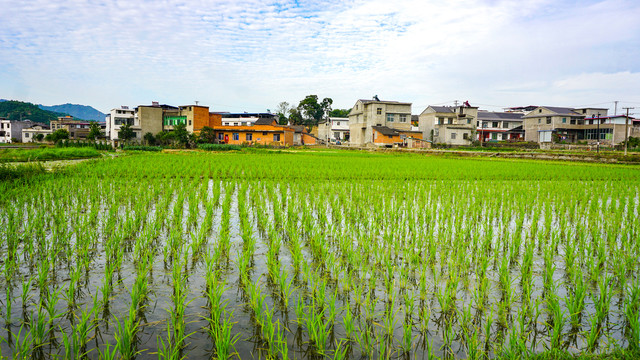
(83, 112)
(16, 110)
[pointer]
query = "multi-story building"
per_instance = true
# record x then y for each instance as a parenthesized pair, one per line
(334, 129)
(499, 126)
(566, 124)
(366, 114)
(11, 130)
(31, 134)
(453, 125)
(118, 117)
(78, 129)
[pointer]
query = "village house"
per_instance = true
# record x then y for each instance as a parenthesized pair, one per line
(499, 126)
(262, 131)
(11, 130)
(32, 133)
(78, 129)
(453, 125)
(366, 114)
(566, 124)
(118, 117)
(244, 119)
(334, 129)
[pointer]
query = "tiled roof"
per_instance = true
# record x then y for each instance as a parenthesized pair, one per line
(264, 121)
(385, 130)
(442, 109)
(489, 115)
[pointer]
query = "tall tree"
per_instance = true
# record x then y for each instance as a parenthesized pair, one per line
(312, 111)
(94, 131)
(126, 133)
(207, 135)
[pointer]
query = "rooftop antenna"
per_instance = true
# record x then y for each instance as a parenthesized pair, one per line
(455, 103)
(197, 102)
(375, 97)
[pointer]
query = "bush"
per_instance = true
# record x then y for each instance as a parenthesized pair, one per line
(24, 155)
(142, 148)
(219, 147)
(9, 172)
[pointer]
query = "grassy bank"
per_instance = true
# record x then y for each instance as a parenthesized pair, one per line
(46, 154)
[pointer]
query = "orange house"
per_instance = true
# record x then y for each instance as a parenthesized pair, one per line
(385, 136)
(263, 131)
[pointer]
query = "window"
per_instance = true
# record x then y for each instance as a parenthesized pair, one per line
(220, 136)
(539, 120)
(468, 121)
(548, 119)
(249, 137)
(450, 121)
(236, 136)
(264, 133)
(573, 121)
(379, 111)
(494, 136)
(403, 118)
(26, 134)
(276, 137)
(505, 125)
(337, 123)
(189, 122)
(235, 124)
(465, 136)
(453, 136)
(494, 124)
(539, 110)
(389, 117)
(564, 120)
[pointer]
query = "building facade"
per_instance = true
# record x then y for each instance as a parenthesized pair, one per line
(32, 133)
(499, 126)
(453, 125)
(11, 130)
(334, 129)
(118, 117)
(366, 114)
(551, 123)
(78, 129)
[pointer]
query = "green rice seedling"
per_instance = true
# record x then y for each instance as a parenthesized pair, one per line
(594, 333)
(575, 301)
(348, 323)
(126, 331)
(602, 302)
(407, 337)
(364, 339)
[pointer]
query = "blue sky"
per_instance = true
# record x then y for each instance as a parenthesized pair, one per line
(249, 55)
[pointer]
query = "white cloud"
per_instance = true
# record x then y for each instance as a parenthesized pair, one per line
(251, 54)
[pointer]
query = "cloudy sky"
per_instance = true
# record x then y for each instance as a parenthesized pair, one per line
(249, 55)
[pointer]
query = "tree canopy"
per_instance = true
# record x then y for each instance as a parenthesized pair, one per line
(126, 133)
(343, 113)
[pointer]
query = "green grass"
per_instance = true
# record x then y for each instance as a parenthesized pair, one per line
(46, 154)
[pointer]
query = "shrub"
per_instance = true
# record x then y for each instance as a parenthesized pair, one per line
(142, 148)
(219, 147)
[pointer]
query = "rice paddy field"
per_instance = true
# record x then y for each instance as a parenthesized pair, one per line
(312, 255)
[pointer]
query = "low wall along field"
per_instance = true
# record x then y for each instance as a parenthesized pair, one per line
(306, 254)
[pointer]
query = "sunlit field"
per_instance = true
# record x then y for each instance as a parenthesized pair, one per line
(311, 255)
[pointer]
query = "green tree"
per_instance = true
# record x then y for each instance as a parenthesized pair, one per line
(313, 111)
(207, 135)
(343, 113)
(181, 135)
(149, 138)
(94, 131)
(283, 109)
(59, 134)
(126, 133)
(38, 137)
(295, 117)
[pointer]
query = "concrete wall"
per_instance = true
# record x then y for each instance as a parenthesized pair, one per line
(150, 119)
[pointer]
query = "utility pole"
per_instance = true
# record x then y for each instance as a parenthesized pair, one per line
(598, 142)
(626, 131)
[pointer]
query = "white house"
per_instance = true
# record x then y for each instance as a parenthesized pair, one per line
(334, 129)
(12, 129)
(121, 116)
(31, 133)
